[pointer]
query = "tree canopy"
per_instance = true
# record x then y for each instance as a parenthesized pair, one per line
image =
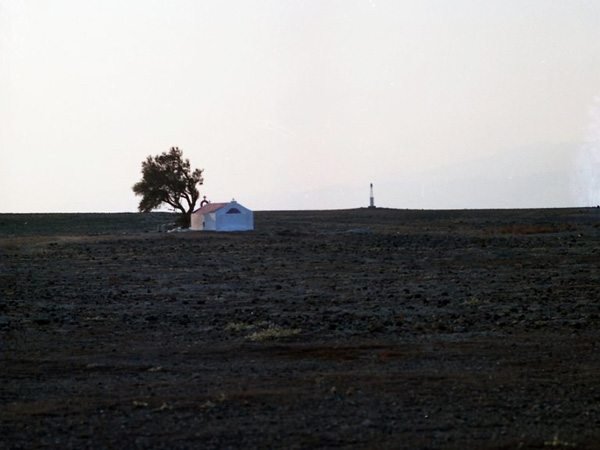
(168, 179)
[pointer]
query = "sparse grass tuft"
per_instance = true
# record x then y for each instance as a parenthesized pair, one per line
(273, 333)
(472, 301)
(556, 442)
(239, 326)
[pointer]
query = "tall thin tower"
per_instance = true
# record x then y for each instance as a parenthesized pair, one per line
(372, 198)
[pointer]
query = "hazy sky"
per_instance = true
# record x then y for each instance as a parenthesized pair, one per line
(301, 104)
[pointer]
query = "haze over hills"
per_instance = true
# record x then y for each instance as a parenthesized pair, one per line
(543, 176)
(300, 104)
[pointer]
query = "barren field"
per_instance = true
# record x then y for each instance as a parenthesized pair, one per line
(362, 329)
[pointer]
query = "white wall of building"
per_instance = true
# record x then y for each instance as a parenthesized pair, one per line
(231, 217)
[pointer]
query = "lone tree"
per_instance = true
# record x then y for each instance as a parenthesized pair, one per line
(167, 178)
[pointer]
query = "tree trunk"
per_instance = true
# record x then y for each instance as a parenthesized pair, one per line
(185, 219)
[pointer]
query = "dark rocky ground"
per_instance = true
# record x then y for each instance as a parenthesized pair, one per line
(340, 329)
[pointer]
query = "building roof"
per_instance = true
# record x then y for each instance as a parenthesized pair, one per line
(210, 208)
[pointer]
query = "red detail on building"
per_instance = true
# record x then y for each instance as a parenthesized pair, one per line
(211, 208)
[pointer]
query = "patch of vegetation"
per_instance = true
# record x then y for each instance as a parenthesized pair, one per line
(473, 301)
(273, 333)
(239, 326)
(535, 229)
(556, 442)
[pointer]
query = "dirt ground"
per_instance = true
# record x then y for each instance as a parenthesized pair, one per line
(363, 329)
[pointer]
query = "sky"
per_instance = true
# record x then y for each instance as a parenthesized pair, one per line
(300, 104)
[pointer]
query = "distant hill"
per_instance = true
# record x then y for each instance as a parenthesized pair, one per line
(543, 176)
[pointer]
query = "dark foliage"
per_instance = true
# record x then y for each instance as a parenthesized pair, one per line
(168, 178)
